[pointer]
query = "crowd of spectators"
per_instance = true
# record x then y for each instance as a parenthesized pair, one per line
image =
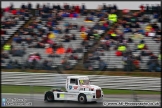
(45, 33)
(10, 19)
(129, 29)
(41, 34)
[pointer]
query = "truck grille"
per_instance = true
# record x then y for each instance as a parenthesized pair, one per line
(98, 93)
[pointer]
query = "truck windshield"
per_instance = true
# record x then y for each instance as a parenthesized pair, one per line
(84, 82)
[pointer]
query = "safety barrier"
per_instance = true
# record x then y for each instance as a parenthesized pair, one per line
(58, 80)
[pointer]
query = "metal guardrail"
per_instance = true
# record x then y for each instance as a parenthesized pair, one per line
(58, 80)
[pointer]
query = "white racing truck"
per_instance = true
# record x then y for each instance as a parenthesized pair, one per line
(78, 88)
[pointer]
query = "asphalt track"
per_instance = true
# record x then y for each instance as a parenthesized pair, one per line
(37, 100)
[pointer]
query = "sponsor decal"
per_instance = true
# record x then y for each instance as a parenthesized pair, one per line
(62, 95)
(70, 87)
(89, 96)
(75, 87)
(85, 86)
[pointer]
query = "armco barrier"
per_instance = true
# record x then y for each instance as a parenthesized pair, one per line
(58, 80)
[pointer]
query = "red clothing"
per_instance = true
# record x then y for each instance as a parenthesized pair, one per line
(77, 9)
(2, 32)
(69, 50)
(7, 9)
(71, 15)
(31, 58)
(49, 23)
(125, 11)
(146, 34)
(136, 63)
(22, 10)
(14, 12)
(118, 53)
(45, 40)
(142, 8)
(49, 51)
(105, 24)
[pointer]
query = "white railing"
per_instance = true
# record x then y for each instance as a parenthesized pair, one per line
(58, 80)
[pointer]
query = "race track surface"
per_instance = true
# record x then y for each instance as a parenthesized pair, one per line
(37, 100)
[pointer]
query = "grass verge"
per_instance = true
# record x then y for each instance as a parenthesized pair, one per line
(41, 89)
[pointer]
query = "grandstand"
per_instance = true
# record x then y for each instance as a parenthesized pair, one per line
(40, 39)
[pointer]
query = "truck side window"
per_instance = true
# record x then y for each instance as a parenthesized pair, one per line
(72, 81)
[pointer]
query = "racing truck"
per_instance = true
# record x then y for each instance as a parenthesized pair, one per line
(77, 88)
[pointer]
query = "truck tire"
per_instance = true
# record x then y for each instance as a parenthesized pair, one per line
(82, 98)
(49, 97)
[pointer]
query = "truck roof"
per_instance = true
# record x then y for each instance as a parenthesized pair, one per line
(77, 77)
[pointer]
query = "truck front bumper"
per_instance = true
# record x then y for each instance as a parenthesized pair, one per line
(91, 99)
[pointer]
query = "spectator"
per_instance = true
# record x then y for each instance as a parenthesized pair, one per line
(48, 50)
(127, 29)
(47, 64)
(73, 57)
(128, 64)
(17, 39)
(69, 50)
(10, 65)
(77, 9)
(147, 9)
(29, 6)
(102, 65)
(142, 8)
(83, 35)
(122, 48)
(60, 50)
(153, 64)
(23, 6)
(66, 65)
(18, 52)
(136, 63)
(7, 47)
(16, 64)
(73, 37)
(96, 35)
(58, 7)
(83, 8)
(5, 56)
(37, 6)
(141, 45)
(145, 52)
(34, 57)
(118, 53)
(115, 7)
(11, 6)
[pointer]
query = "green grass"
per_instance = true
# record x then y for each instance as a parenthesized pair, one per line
(41, 89)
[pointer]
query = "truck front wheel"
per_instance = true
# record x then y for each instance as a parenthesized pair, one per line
(82, 98)
(49, 97)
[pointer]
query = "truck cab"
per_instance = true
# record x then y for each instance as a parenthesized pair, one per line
(78, 88)
(74, 83)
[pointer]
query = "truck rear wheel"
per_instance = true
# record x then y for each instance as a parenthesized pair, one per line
(82, 98)
(49, 97)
